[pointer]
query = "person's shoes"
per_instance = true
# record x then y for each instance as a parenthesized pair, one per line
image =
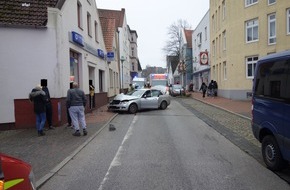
(41, 133)
(85, 132)
(77, 133)
(51, 128)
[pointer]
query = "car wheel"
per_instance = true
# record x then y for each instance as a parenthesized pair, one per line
(163, 105)
(271, 154)
(133, 108)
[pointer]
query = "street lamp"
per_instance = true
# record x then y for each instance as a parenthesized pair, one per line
(122, 72)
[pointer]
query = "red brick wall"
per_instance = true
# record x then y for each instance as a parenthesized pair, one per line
(25, 117)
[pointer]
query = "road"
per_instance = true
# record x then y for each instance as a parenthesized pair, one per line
(168, 149)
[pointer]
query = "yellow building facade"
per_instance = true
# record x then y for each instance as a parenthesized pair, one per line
(242, 31)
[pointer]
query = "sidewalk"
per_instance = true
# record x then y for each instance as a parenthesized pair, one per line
(242, 108)
(47, 154)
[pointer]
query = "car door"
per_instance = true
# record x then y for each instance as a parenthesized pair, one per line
(148, 101)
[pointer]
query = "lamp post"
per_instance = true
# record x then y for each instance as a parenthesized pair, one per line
(122, 72)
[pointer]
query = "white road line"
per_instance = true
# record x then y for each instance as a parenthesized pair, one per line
(116, 161)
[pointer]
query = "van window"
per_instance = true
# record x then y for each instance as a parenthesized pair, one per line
(272, 80)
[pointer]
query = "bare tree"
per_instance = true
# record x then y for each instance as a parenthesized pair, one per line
(172, 46)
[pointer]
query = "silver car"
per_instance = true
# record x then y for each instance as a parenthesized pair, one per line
(140, 99)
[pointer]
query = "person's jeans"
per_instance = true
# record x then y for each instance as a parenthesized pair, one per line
(77, 114)
(40, 121)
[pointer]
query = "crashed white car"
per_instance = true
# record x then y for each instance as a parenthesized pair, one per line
(138, 100)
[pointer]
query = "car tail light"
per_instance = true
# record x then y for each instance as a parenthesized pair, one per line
(1, 184)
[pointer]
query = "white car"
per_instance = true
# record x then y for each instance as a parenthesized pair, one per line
(138, 100)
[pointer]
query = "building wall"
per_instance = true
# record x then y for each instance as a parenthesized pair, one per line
(31, 54)
(27, 55)
(228, 63)
(200, 72)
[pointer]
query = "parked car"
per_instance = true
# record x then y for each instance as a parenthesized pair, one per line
(15, 174)
(177, 90)
(162, 88)
(271, 108)
(140, 99)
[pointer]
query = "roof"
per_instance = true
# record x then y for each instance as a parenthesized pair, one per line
(173, 60)
(108, 28)
(117, 15)
(29, 13)
(188, 36)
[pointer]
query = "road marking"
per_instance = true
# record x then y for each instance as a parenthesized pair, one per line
(117, 161)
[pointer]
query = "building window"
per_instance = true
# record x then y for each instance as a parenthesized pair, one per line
(132, 52)
(111, 78)
(224, 41)
(250, 2)
(213, 48)
(214, 72)
(74, 69)
(213, 24)
(272, 29)
(288, 21)
(89, 25)
(205, 33)
(251, 64)
(199, 39)
(271, 2)
(133, 68)
(80, 18)
(101, 81)
(224, 9)
(252, 28)
(96, 31)
(225, 70)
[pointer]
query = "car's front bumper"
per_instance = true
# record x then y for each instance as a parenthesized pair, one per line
(118, 107)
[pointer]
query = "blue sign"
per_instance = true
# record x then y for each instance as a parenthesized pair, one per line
(110, 55)
(101, 53)
(77, 38)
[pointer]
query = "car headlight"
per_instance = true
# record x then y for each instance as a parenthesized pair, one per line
(32, 180)
(124, 102)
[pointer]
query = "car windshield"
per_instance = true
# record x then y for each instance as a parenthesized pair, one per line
(176, 86)
(137, 93)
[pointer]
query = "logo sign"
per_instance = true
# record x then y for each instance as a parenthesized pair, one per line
(110, 56)
(77, 38)
(101, 53)
(203, 58)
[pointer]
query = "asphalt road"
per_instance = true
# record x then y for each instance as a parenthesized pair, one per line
(171, 149)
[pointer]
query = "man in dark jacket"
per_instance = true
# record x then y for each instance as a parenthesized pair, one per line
(76, 101)
(39, 99)
(48, 104)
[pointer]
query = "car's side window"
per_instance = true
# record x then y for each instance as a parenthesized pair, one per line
(148, 93)
(155, 93)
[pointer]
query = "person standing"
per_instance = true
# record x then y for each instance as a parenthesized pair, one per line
(203, 88)
(215, 88)
(69, 123)
(76, 101)
(39, 99)
(48, 104)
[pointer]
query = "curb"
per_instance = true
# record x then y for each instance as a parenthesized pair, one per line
(219, 107)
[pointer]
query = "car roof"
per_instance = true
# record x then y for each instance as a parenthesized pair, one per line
(275, 55)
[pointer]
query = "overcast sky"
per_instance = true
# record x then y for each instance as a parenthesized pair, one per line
(151, 20)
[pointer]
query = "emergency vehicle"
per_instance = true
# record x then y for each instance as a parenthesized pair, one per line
(15, 174)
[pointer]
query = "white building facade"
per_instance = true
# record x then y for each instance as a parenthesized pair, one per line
(201, 53)
(70, 47)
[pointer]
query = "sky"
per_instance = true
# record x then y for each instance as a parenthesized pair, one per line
(151, 20)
